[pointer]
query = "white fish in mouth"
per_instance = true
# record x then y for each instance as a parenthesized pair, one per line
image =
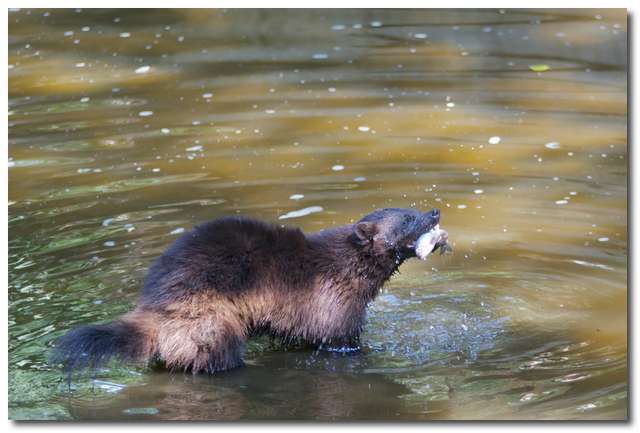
(427, 242)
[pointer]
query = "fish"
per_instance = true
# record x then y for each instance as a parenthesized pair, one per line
(434, 239)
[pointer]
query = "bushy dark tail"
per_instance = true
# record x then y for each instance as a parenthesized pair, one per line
(132, 338)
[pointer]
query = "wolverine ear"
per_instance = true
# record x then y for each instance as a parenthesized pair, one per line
(364, 232)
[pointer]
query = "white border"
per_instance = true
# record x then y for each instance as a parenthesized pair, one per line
(272, 427)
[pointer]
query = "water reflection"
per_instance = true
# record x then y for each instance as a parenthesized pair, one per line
(127, 128)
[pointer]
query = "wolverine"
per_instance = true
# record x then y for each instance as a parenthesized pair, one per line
(235, 277)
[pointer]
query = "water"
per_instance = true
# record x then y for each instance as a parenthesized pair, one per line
(127, 128)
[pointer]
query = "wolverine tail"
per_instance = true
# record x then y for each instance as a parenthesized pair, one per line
(131, 338)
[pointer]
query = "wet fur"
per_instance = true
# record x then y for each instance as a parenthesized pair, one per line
(235, 277)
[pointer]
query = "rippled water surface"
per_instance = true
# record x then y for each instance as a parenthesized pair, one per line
(127, 128)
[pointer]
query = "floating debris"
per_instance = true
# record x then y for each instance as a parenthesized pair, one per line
(420, 36)
(320, 56)
(462, 206)
(109, 244)
(359, 179)
(603, 239)
(478, 191)
(494, 140)
(125, 34)
(145, 113)
(337, 167)
(194, 148)
(143, 69)
(177, 231)
(296, 197)
(142, 411)
(572, 377)
(165, 130)
(207, 95)
(592, 265)
(109, 386)
(363, 128)
(562, 201)
(301, 212)
(552, 145)
(586, 407)
(539, 67)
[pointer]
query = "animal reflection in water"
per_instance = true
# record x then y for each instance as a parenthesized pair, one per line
(287, 392)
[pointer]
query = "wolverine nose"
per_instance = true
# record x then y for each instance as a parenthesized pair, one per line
(434, 214)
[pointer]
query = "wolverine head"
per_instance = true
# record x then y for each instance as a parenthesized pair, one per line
(395, 232)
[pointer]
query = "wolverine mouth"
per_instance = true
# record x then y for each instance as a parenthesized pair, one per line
(429, 237)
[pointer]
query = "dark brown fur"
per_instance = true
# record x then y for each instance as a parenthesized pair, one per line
(232, 278)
